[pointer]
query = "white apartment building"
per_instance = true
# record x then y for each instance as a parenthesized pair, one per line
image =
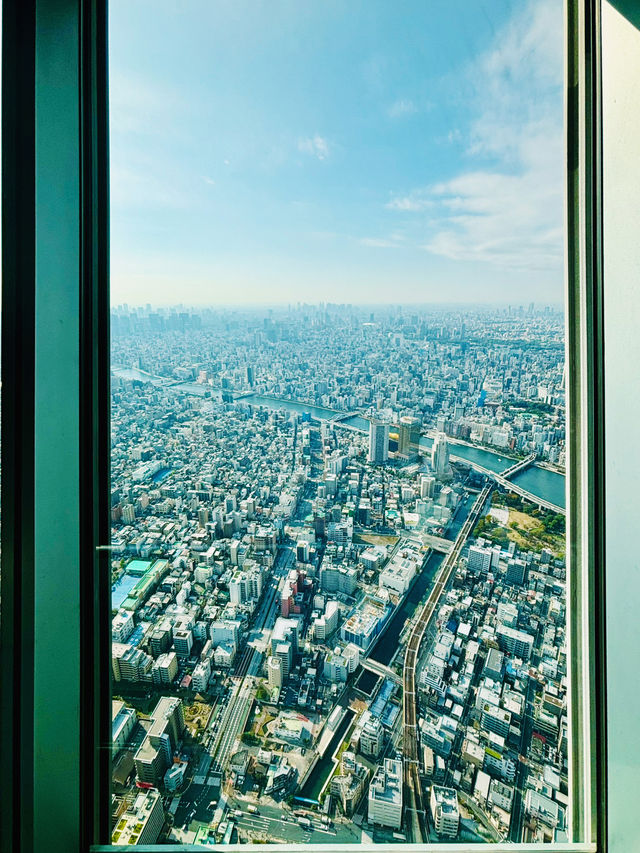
(385, 795)
(445, 810)
(121, 626)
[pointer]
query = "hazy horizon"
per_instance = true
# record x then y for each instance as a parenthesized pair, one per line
(284, 306)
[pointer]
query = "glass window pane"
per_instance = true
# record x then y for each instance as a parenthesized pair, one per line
(338, 419)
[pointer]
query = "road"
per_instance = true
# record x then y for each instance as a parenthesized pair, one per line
(250, 665)
(270, 823)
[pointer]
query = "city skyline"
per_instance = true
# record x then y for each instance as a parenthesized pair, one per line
(305, 151)
(338, 576)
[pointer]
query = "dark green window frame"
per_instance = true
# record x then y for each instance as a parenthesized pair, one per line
(55, 643)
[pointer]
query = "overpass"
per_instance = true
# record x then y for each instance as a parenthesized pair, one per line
(380, 669)
(436, 543)
(414, 799)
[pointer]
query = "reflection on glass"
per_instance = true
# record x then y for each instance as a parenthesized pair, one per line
(338, 417)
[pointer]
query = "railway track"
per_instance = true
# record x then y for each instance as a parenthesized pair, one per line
(414, 800)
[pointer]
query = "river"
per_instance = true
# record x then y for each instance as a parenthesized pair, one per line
(540, 482)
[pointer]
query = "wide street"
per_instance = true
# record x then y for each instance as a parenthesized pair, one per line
(229, 719)
(270, 822)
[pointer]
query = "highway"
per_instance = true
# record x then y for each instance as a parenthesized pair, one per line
(414, 801)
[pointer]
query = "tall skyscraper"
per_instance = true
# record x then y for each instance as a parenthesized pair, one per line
(378, 443)
(440, 455)
(408, 434)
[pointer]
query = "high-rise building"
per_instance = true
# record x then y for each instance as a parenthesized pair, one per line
(427, 486)
(326, 624)
(161, 638)
(128, 514)
(408, 435)
(201, 675)
(514, 642)
(440, 455)
(372, 737)
(385, 795)
(274, 671)
(129, 663)
(182, 642)
(284, 654)
(154, 754)
(378, 443)
(121, 626)
(165, 668)
(342, 579)
(246, 585)
(479, 560)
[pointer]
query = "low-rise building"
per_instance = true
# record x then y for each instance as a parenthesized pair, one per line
(142, 821)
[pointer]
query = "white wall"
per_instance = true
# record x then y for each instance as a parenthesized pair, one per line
(621, 141)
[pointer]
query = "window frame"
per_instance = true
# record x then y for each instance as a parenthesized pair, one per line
(56, 440)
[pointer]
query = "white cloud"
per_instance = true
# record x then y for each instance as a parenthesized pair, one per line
(379, 242)
(507, 209)
(314, 145)
(208, 180)
(413, 203)
(402, 107)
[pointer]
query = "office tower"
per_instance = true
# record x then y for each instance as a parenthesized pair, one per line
(440, 455)
(378, 443)
(408, 434)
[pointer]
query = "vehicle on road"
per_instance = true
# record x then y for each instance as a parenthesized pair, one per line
(304, 821)
(253, 809)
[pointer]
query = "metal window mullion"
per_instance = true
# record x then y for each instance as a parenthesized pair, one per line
(54, 425)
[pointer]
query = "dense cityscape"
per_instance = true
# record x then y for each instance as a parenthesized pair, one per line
(338, 574)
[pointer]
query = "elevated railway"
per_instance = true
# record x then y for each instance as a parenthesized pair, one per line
(415, 807)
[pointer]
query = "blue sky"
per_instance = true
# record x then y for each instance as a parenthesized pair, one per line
(316, 150)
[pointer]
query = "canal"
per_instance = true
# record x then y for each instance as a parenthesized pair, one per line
(321, 772)
(389, 641)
